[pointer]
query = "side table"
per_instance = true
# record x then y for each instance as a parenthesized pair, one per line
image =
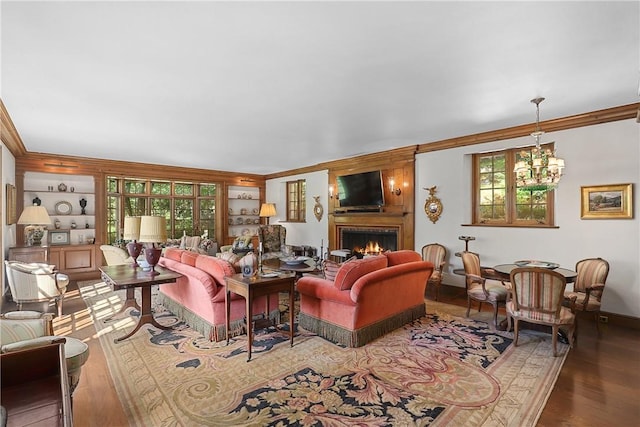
(255, 287)
(126, 276)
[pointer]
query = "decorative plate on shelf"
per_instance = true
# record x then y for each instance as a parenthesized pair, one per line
(63, 208)
(255, 211)
(240, 221)
(538, 264)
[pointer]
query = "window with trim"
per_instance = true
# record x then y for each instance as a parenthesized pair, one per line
(188, 207)
(296, 200)
(497, 198)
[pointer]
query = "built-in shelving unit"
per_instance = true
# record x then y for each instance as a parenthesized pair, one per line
(244, 208)
(61, 195)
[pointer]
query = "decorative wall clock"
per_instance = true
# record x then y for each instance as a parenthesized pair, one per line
(433, 205)
(317, 208)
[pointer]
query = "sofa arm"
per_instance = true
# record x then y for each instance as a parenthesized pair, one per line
(316, 287)
(31, 343)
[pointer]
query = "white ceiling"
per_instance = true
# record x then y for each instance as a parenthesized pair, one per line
(262, 87)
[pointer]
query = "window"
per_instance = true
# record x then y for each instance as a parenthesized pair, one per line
(497, 198)
(189, 207)
(296, 200)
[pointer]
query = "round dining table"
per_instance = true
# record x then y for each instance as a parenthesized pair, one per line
(503, 271)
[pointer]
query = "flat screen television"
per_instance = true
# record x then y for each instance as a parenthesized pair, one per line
(361, 190)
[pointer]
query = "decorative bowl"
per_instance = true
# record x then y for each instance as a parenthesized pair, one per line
(538, 264)
(295, 260)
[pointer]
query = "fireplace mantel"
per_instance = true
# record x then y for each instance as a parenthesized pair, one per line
(402, 222)
(398, 210)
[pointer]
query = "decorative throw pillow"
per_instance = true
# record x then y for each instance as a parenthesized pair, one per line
(330, 268)
(349, 272)
(230, 257)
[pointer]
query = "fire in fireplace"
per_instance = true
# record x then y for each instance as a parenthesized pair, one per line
(369, 241)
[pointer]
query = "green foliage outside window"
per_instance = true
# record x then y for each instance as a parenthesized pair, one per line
(499, 200)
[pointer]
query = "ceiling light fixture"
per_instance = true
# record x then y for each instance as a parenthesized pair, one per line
(538, 169)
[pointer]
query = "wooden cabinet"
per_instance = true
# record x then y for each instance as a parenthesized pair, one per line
(29, 254)
(77, 261)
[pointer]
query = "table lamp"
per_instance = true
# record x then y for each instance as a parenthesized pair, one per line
(132, 232)
(153, 229)
(268, 210)
(34, 217)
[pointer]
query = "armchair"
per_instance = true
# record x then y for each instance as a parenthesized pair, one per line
(36, 282)
(589, 286)
(437, 255)
(27, 329)
(273, 239)
(481, 289)
(33, 387)
(115, 256)
(240, 246)
(537, 298)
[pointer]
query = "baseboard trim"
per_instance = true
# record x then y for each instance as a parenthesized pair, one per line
(622, 320)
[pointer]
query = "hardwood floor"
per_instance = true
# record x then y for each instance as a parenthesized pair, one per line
(598, 384)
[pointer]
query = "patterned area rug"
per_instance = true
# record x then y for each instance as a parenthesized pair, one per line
(442, 369)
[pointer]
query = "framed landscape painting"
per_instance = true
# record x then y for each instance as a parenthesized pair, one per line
(607, 202)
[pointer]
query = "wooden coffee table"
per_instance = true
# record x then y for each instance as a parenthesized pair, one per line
(255, 287)
(128, 277)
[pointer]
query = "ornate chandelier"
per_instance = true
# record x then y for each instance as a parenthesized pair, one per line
(538, 169)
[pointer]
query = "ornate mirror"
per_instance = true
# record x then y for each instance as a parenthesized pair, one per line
(433, 205)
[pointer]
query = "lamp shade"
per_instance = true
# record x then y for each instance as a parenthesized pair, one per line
(131, 228)
(153, 229)
(268, 209)
(34, 215)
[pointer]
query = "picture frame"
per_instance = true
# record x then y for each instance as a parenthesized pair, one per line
(11, 213)
(607, 201)
(59, 237)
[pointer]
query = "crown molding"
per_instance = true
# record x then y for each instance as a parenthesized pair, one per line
(9, 134)
(623, 112)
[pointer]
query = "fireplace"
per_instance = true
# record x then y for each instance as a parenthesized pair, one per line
(363, 241)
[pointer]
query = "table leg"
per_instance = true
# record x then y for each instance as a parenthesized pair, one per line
(129, 302)
(146, 315)
(249, 312)
(292, 298)
(227, 304)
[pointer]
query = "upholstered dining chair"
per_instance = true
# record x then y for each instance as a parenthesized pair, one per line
(481, 289)
(273, 239)
(538, 294)
(115, 256)
(437, 255)
(36, 282)
(26, 329)
(589, 286)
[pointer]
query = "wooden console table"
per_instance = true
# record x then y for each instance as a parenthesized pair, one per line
(255, 287)
(128, 277)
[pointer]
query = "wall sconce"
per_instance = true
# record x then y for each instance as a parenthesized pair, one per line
(331, 191)
(395, 190)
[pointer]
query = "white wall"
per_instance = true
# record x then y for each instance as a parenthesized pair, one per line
(8, 232)
(312, 232)
(8, 177)
(595, 155)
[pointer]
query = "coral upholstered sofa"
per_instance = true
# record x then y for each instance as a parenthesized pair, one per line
(199, 296)
(368, 298)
